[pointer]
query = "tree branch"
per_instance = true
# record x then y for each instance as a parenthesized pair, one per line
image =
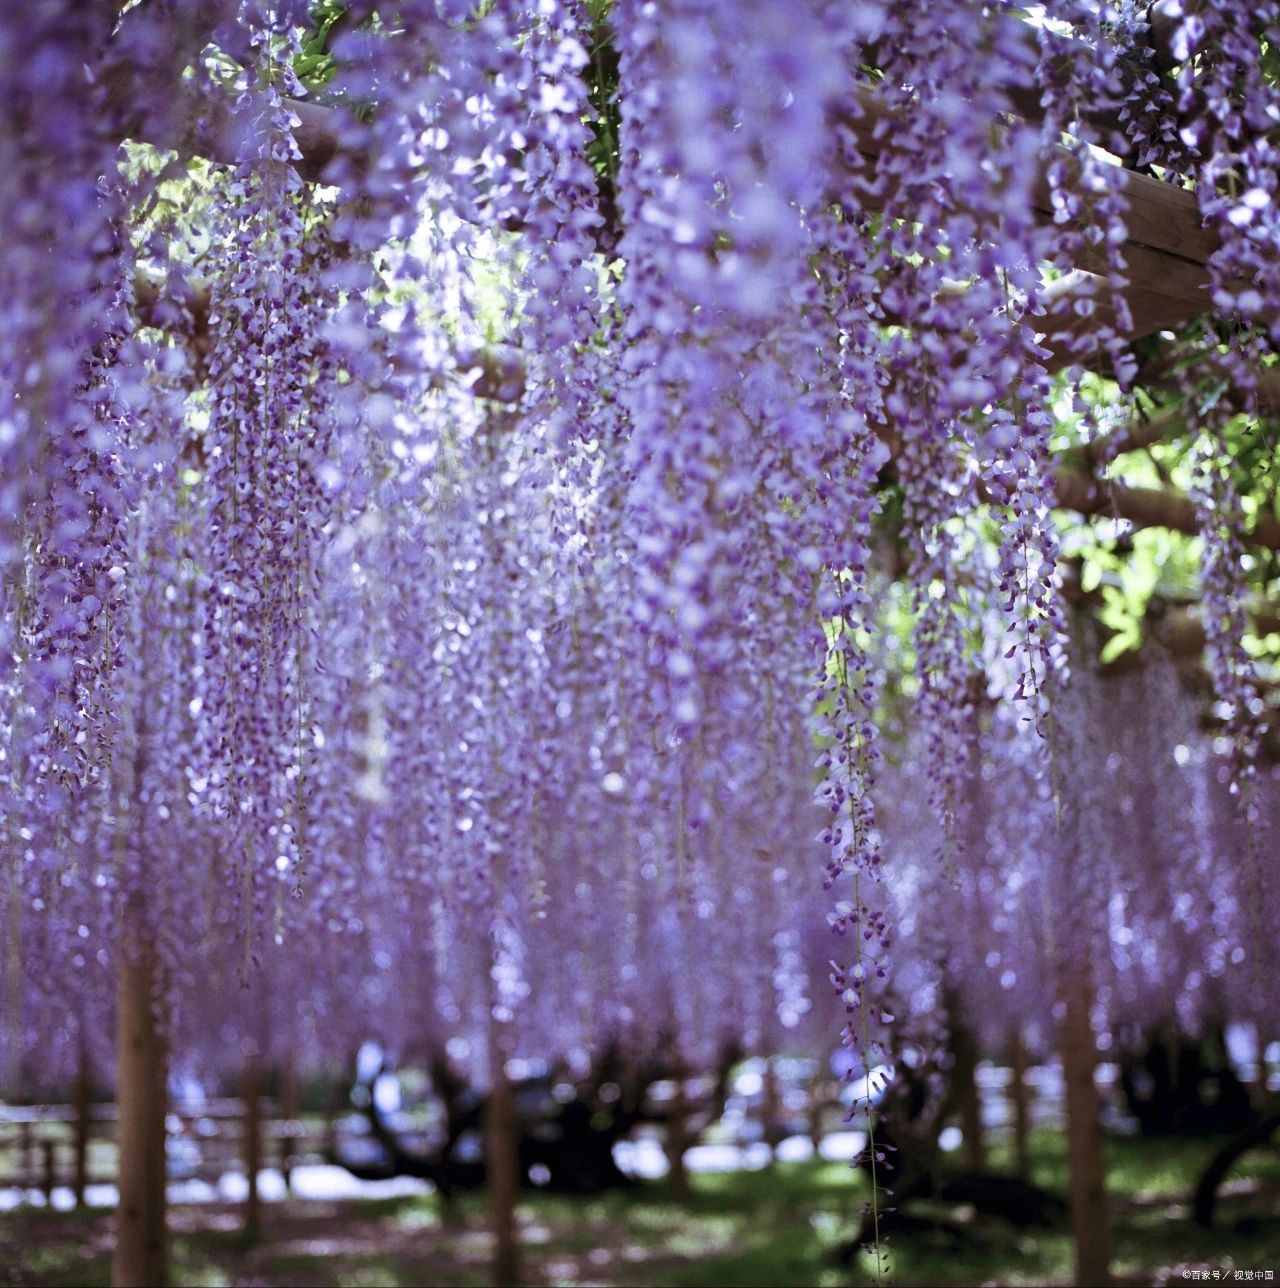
(1145, 507)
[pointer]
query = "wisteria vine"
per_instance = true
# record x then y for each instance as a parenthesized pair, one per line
(453, 486)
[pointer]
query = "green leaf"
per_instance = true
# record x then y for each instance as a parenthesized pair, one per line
(1119, 644)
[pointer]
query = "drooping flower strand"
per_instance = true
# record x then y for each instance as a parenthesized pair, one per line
(438, 163)
(1224, 596)
(60, 287)
(1148, 112)
(61, 727)
(848, 760)
(556, 199)
(1229, 107)
(1224, 599)
(156, 783)
(76, 534)
(1231, 110)
(1079, 76)
(711, 200)
(848, 672)
(944, 660)
(269, 434)
(844, 727)
(964, 364)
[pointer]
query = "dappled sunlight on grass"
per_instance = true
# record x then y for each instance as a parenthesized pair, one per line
(781, 1226)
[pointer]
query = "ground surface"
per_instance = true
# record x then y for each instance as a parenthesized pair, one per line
(777, 1227)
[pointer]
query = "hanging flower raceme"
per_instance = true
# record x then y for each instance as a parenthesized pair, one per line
(1080, 76)
(713, 187)
(64, 730)
(1215, 124)
(557, 204)
(1229, 109)
(77, 563)
(1224, 598)
(956, 264)
(60, 286)
(68, 411)
(267, 452)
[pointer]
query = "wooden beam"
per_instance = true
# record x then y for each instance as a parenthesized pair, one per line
(1134, 436)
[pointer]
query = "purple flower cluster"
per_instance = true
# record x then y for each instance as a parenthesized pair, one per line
(441, 577)
(269, 455)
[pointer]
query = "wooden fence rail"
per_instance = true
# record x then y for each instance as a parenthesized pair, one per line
(45, 1147)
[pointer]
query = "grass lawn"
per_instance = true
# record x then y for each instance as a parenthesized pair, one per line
(775, 1227)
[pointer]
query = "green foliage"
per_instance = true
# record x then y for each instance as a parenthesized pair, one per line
(601, 75)
(779, 1226)
(313, 64)
(1128, 573)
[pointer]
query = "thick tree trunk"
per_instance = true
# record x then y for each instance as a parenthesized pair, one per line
(80, 1142)
(252, 1147)
(502, 1169)
(141, 1103)
(1021, 1110)
(1205, 1198)
(1087, 1192)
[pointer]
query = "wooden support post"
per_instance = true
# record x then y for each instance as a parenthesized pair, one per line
(27, 1147)
(289, 1118)
(49, 1176)
(80, 1144)
(675, 1138)
(337, 1102)
(1086, 1175)
(141, 1101)
(284, 1145)
(502, 1166)
(1021, 1110)
(968, 1103)
(815, 1119)
(252, 1146)
(771, 1108)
